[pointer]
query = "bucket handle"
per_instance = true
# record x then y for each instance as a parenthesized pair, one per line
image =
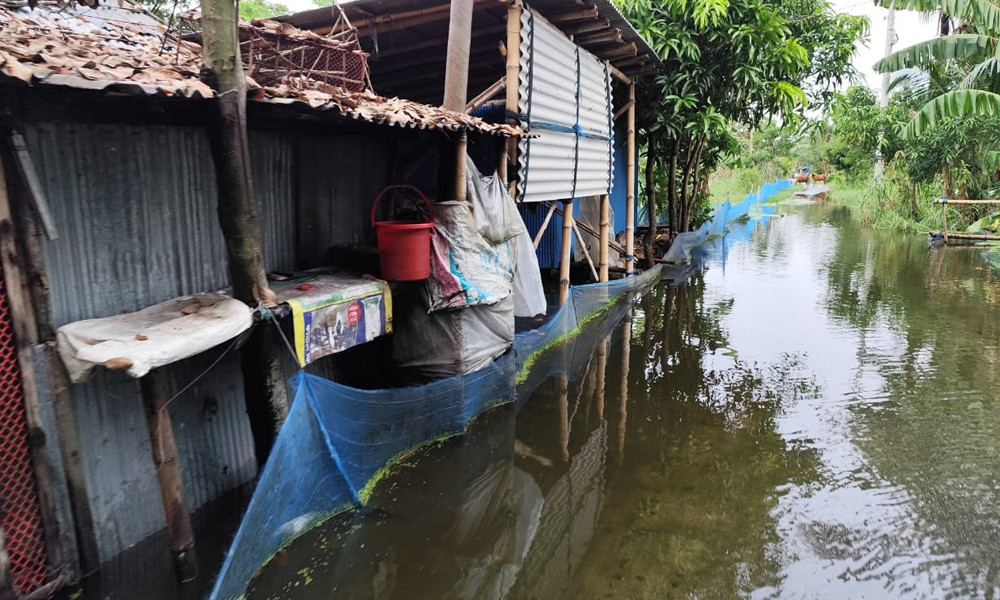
(405, 186)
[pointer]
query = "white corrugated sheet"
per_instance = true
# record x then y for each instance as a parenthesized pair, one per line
(565, 100)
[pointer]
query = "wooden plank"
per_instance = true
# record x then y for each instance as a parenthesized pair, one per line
(623, 109)
(545, 224)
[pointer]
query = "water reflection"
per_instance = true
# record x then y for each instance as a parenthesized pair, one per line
(809, 413)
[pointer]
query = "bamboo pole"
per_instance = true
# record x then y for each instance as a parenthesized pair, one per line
(630, 186)
(486, 95)
(586, 253)
(605, 236)
(614, 245)
(944, 220)
(513, 73)
(567, 247)
(545, 224)
(971, 236)
(950, 201)
(168, 471)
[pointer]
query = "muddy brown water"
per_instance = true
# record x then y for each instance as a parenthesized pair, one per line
(813, 417)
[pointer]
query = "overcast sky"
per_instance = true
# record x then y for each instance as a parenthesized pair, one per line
(910, 27)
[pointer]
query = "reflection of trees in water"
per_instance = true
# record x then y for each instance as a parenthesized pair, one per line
(929, 422)
(704, 466)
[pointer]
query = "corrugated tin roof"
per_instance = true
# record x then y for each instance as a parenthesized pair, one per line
(120, 48)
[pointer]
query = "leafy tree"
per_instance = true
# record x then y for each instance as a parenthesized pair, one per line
(729, 62)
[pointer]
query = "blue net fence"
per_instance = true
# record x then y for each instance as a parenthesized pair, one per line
(684, 243)
(338, 442)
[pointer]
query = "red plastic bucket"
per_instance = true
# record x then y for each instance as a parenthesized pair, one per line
(404, 247)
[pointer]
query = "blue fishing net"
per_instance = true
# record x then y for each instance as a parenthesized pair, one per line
(339, 441)
(684, 243)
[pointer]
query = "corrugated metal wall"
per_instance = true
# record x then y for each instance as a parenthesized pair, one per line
(534, 213)
(565, 97)
(135, 209)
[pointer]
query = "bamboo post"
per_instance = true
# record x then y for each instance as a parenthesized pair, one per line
(586, 253)
(545, 223)
(623, 400)
(944, 219)
(630, 186)
(605, 236)
(168, 471)
(567, 247)
(513, 71)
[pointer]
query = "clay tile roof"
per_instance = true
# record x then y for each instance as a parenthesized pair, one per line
(119, 47)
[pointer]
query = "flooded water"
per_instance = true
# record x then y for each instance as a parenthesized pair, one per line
(815, 416)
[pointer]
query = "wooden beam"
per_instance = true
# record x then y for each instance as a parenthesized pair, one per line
(605, 236)
(567, 254)
(168, 471)
(607, 36)
(626, 51)
(577, 14)
(623, 109)
(415, 68)
(630, 185)
(386, 23)
(578, 28)
(432, 42)
(628, 63)
(486, 95)
(622, 77)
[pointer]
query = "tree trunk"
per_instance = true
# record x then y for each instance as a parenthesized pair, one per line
(650, 173)
(671, 187)
(222, 69)
(684, 212)
(693, 196)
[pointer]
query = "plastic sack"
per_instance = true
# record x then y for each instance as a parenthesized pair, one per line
(466, 270)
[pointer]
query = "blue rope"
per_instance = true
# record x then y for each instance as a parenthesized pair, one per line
(531, 87)
(576, 126)
(611, 127)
